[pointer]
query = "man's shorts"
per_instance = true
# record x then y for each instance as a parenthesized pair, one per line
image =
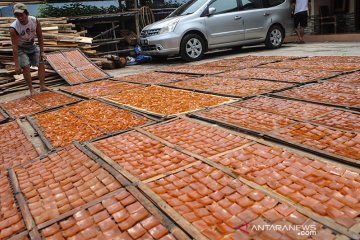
(29, 56)
(301, 18)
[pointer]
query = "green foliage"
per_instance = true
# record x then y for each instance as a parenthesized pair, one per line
(79, 9)
(74, 9)
(167, 4)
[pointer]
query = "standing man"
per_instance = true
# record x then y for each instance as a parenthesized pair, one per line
(300, 10)
(23, 32)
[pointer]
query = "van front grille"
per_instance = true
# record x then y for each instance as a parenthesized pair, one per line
(149, 33)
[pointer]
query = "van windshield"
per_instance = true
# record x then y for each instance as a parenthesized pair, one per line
(188, 8)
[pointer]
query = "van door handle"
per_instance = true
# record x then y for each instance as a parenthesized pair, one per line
(237, 17)
(266, 14)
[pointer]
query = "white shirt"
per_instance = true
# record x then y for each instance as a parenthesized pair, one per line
(27, 33)
(301, 6)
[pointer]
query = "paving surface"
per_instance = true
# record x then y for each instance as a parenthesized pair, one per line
(231, 147)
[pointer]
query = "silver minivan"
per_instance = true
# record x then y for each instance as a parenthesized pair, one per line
(200, 25)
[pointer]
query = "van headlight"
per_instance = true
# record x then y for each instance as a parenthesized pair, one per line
(169, 27)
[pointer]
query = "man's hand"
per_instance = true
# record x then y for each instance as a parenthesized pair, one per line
(18, 69)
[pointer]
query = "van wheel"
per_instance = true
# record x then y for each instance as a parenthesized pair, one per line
(275, 37)
(192, 47)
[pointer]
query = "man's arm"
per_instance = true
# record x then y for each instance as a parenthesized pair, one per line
(14, 44)
(292, 6)
(40, 38)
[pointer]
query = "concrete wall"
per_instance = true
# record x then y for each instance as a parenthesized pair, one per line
(315, 4)
(346, 22)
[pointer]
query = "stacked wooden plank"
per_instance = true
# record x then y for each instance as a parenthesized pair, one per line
(58, 35)
(9, 82)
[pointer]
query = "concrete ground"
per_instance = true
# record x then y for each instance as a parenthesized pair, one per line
(288, 49)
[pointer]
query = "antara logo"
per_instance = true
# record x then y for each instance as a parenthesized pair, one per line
(244, 228)
(301, 230)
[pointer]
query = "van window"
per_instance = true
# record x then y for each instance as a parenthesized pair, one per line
(250, 4)
(222, 6)
(188, 8)
(272, 3)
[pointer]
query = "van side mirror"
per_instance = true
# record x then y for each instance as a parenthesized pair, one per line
(212, 11)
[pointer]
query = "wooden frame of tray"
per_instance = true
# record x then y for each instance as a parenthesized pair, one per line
(28, 137)
(260, 64)
(34, 229)
(355, 108)
(86, 98)
(126, 173)
(50, 147)
(281, 81)
(11, 116)
(230, 95)
(192, 76)
(46, 109)
(319, 69)
(40, 133)
(23, 206)
(21, 235)
(324, 220)
(344, 74)
(181, 221)
(234, 66)
(267, 142)
(310, 119)
(164, 116)
(268, 191)
(5, 114)
(333, 108)
(167, 222)
(270, 136)
(76, 49)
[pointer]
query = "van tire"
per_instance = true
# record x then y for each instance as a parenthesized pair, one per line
(192, 47)
(275, 37)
